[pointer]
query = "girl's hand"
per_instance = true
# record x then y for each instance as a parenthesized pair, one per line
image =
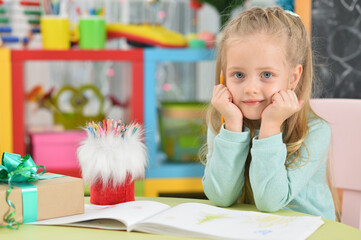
(222, 101)
(284, 105)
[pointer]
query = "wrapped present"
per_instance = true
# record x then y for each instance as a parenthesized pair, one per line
(27, 196)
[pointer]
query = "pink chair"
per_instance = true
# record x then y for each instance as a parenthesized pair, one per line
(344, 117)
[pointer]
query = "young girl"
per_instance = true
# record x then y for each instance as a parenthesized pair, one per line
(272, 149)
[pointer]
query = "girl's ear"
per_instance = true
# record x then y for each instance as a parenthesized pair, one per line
(295, 76)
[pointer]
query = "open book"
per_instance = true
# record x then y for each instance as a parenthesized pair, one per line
(191, 220)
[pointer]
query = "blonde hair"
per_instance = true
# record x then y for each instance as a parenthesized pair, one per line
(274, 22)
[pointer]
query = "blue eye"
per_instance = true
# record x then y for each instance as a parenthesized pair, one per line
(267, 75)
(238, 75)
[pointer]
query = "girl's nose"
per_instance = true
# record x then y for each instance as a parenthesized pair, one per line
(251, 87)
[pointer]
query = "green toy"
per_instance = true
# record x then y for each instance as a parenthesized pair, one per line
(182, 130)
(78, 100)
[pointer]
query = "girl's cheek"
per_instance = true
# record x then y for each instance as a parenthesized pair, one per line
(236, 93)
(272, 91)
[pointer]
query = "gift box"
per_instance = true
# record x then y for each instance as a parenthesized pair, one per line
(57, 197)
(39, 196)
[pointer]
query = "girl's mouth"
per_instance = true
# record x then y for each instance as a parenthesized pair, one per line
(252, 102)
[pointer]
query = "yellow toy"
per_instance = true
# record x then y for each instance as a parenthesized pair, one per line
(154, 35)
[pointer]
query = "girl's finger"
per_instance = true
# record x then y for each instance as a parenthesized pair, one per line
(216, 89)
(285, 96)
(293, 97)
(277, 98)
(223, 94)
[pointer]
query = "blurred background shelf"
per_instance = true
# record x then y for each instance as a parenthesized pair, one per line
(164, 178)
(20, 57)
(143, 107)
(151, 58)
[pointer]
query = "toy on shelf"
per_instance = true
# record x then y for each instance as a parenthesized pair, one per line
(143, 34)
(43, 99)
(150, 32)
(78, 100)
(182, 130)
(208, 37)
(111, 158)
(201, 40)
(194, 42)
(75, 100)
(19, 22)
(154, 35)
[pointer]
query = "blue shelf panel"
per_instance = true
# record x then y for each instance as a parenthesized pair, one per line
(176, 170)
(178, 55)
(151, 58)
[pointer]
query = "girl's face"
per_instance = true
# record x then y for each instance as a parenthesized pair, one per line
(256, 69)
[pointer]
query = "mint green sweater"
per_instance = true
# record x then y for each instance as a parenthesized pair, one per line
(301, 187)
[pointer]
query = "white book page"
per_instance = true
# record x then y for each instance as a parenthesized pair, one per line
(201, 220)
(125, 213)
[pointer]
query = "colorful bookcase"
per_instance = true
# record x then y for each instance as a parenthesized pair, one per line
(60, 146)
(19, 57)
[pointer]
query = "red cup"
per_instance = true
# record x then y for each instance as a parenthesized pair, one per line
(107, 194)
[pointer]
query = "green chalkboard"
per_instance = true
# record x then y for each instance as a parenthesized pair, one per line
(336, 39)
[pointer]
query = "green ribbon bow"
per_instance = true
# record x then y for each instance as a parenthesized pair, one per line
(19, 171)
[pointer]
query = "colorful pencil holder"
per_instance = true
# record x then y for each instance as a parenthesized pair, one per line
(92, 33)
(55, 32)
(111, 158)
(102, 194)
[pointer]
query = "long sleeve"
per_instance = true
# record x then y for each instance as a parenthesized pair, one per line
(302, 186)
(224, 173)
